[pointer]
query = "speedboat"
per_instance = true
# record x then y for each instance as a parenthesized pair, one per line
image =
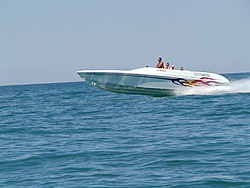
(150, 80)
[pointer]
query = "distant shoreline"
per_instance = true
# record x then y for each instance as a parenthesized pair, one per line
(40, 83)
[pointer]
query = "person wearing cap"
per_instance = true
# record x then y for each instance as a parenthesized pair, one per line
(172, 67)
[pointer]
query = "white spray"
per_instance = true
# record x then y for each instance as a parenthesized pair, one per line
(238, 86)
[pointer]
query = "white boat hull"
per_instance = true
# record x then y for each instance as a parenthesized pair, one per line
(150, 81)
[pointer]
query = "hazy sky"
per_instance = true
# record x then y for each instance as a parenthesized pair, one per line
(48, 40)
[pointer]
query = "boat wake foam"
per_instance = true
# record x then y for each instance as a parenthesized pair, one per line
(238, 86)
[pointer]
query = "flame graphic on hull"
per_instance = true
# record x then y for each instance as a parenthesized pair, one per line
(203, 81)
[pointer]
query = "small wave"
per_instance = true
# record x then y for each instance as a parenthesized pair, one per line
(238, 86)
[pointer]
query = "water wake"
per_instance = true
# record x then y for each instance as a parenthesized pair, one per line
(238, 86)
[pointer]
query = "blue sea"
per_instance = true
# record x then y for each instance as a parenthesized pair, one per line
(75, 135)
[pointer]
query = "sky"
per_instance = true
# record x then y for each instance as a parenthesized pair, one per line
(49, 40)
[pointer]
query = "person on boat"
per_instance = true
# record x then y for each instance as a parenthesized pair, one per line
(160, 64)
(181, 68)
(172, 67)
(167, 65)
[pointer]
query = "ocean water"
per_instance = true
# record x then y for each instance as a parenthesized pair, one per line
(75, 135)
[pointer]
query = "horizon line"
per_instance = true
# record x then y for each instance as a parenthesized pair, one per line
(58, 82)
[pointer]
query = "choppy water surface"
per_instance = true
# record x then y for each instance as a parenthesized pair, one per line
(74, 135)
